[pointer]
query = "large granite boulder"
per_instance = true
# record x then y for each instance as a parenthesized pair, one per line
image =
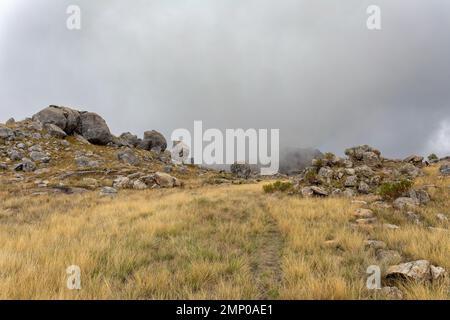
(153, 140)
(65, 118)
(94, 128)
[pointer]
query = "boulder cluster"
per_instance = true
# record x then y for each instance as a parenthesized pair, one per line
(62, 121)
(363, 171)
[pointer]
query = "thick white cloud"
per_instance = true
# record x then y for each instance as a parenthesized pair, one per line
(308, 67)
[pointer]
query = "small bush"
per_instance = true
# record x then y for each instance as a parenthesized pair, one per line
(329, 156)
(277, 186)
(393, 190)
(433, 157)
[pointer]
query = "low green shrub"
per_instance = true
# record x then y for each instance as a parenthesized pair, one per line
(277, 186)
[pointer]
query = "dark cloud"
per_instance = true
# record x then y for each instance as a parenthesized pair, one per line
(310, 68)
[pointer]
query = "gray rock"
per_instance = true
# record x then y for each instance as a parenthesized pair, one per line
(55, 131)
(39, 156)
(420, 270)
(363, 187)
(128, 156)
(122, 182)
(165, 180)
(26, 165)
(3, 166)
(319, 191)
(405, 203)
(139, 185)
(94, 128)
(81, 139)
(364, 171)
(84, 161)
(5, 132)
(129, 139)
(421, 196)
(445, 169)
(410, 170)
(10, 121)
(154, 141)
(15, 155)
(416, 160)
(108, 191)
(64, 118)
(357, 153)
(241, 170)
(371, 158)
(351, 181)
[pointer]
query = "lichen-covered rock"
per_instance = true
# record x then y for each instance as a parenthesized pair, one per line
(405, 203)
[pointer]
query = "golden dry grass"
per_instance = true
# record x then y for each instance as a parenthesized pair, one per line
(216, 242)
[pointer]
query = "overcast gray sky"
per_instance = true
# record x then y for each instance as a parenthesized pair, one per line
(308, 67)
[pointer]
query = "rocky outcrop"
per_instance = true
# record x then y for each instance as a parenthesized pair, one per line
(88, 124)
(420, 270)
(241, 170)
(363, 172)
(65, 118)
(154, 141)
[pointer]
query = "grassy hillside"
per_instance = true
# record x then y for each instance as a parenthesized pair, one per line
(219, 242)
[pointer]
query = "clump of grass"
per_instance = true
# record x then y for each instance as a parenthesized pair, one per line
(393, 190)
(277, 186)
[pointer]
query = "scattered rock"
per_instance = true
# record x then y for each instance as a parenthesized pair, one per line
(128, 156)
(129, 139)
(85, 162)
(121, 182)
(5, 132)
(108, 191)
(363, 187)
(443, 169)
(241, 170)
(165, 180)
(405, 203)
(55, 131)
(420, 270)
(26, 165)
(139, 185)
(388, 256)
(15, 155)
(154, 141)
(442, 217)
(351, 181)
(39, 156)
(363, 213)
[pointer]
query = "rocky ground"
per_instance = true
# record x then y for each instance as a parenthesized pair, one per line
(396, 211)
